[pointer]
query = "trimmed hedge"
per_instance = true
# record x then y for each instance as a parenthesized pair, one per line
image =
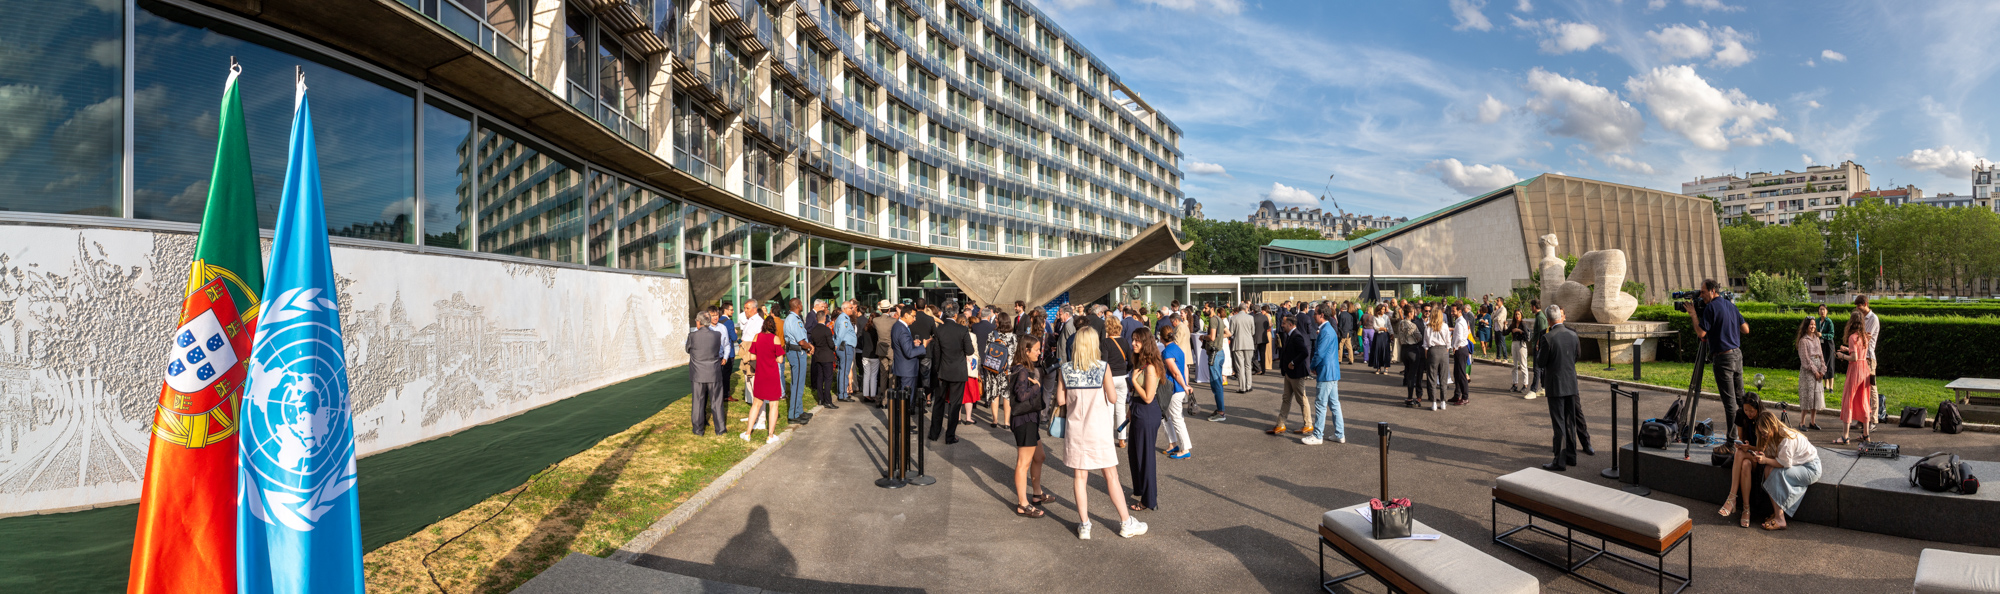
(1941, 347)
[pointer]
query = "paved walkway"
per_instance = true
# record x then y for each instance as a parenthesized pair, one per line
(1238, 516)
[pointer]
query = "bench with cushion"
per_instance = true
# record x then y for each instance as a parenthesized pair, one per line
(1610, 515)
(1951, 572)
(1416, 566)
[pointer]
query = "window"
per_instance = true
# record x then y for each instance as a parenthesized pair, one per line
(448, 168)
(816, 198)
(63, 117)
(903, 222)
(531, 203)
(839, 139)
(960, 190)
(861, 211)
(943, 138)
(882, 160)
(365, 131)
(604, 81)
(944, 231)
(650, 235)
(698, 143)
(879, 52)
(763, 175)
(495, 25)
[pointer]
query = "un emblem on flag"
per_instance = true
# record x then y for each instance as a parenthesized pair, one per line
(298, 439)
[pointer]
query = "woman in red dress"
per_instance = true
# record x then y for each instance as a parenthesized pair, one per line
(1856, 399)
(767, 382)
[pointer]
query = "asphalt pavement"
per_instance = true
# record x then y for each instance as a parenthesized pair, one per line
(1239, 516)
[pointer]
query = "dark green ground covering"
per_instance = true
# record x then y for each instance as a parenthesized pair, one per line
(402, 490)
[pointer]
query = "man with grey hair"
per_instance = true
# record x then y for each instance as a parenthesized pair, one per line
(1557, 364)
(1242, 345)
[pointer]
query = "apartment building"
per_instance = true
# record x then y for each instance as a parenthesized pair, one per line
(1331, 225)
(1780, 197)
(1983, 179)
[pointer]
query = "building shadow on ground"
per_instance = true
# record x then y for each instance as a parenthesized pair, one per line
(765, 562)
(566, 520)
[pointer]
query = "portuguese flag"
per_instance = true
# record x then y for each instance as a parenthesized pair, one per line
(186, 536)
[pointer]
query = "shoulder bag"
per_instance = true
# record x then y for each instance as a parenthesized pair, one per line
(1058, 425)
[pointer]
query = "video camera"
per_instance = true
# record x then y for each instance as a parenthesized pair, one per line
(1683, 298)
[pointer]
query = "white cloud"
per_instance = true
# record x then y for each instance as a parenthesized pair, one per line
(1200, 168)
(1833, 56)
(1285, 195)
(1711, 118)
(1584, 111)
(1943, 160)
(1491, 109)
(1469, 15)
(1681, 42)
(1560, 37)
(1711, 5)
(1627, 164)
(1524, 6)
(1471, 180)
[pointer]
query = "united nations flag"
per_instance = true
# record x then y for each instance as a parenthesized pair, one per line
(298, 526)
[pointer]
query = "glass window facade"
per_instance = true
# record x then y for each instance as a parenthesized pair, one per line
(61, 109)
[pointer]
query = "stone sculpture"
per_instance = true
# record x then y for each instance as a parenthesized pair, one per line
(1601, 270)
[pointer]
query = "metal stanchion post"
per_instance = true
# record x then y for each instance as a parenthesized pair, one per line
(1610, 355)
(922, 479)
(1635, 488)
(1636, 360)
(899, 445)
(1612, 472)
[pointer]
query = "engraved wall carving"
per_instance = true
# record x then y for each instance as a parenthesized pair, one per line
(435, 344)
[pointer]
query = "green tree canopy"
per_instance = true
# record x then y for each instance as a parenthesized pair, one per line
(1230, 247)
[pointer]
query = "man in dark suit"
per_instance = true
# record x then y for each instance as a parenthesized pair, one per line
(1263, 321)
(1022, 319)
(1557, 364)
(953, 346)
(825, 359)
(982, 328)
(704, 348)
(1295, 362)
(921, 331)
(1308, 326)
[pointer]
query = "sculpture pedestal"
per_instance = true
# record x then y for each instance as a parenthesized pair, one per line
(1618, 349)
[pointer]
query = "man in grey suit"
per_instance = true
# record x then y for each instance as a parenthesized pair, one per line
(1557, 364)
(704, 348)
(1242, 345)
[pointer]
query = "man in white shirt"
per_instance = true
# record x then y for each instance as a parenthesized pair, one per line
(1461, 356)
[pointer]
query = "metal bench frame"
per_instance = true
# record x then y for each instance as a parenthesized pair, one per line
(1395, 582)
(1570, 566)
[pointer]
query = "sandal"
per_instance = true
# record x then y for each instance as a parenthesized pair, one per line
(1746, 521)
(1728, 507)
(1041, 499)
(1773, 527)
(1840, 441)
(1028, 512)
(1136, 507)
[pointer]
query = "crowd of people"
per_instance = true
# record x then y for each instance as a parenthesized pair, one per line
(1103, 379)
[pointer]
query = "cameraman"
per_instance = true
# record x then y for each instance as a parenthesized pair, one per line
(1717, 321)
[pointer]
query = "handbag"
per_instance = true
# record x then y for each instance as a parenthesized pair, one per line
(1913, 417)
(1058, 425)
(1391, 518)
(1722, 456)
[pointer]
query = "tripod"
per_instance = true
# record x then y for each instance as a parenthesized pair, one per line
(1686, 421)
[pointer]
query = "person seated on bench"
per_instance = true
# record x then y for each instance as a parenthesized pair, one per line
(1742, 472)
(1791, 463)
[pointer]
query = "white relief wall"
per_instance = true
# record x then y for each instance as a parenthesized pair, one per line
(435, 344)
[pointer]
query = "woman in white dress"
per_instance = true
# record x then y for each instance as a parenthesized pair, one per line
(1089, 444)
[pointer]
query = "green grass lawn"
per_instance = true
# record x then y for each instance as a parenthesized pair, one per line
(1780, 385)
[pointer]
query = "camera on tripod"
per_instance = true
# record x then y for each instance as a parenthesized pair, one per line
(1683, 298)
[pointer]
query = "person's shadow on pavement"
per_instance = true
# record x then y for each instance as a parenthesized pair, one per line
(757, 544)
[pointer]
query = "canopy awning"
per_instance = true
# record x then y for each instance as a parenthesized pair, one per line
(1086, 277)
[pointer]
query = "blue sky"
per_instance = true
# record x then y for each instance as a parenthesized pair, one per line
(1414, 104)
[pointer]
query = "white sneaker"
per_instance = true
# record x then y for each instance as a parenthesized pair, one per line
(1083, 531)
(1531, 395)
(745, 435)
(1132, 527)
(1310, 440)
(770, 439)
(1342, 439)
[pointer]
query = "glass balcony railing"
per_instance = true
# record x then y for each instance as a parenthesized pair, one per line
(469, 25)
(698, 167)
(760, 195)
(815, 213)
(903, 234)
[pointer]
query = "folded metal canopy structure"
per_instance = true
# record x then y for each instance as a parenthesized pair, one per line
(1086, 277)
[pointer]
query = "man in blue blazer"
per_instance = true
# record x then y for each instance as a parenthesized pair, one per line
(1326, 372)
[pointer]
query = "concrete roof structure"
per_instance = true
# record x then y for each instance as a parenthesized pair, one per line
(1493, 239)
(1085, 277)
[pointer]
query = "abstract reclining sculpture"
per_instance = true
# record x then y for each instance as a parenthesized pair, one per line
(1607, 304)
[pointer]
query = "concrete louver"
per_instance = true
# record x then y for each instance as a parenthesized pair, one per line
(1086, 277)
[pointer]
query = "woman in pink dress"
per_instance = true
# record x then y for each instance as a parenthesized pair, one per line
(1856, 402)
(767, 382)
(1088, 444)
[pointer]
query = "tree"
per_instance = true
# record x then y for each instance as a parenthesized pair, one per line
(1750, 246)
(1360, 233)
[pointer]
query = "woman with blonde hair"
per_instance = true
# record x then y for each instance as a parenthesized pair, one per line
(1088, 443)
(1438, 356)
(1857, 402)
(1793, 465)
